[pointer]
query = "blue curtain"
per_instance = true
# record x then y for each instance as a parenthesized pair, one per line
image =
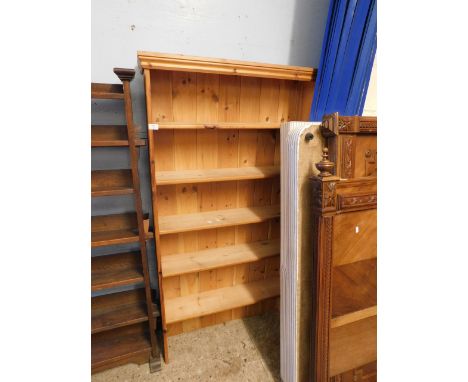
(348, 52)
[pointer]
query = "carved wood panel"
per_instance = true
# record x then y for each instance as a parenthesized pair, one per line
(355, 237)
(366, 156)
(348, 156)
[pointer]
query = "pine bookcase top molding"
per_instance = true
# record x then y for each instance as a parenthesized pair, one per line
(179, 62)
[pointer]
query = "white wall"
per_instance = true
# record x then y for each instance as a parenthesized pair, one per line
(273, 31)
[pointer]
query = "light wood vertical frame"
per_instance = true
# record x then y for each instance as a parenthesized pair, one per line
(147, 79)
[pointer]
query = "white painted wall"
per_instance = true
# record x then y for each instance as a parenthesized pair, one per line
(273, 31)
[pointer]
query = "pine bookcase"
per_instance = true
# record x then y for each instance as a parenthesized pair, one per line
(214, 148)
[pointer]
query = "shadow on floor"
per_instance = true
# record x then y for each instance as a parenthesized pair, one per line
(264, 332)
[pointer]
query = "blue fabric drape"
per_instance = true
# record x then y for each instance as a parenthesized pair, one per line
(348, 52)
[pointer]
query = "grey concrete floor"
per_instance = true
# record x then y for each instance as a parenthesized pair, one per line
(239, 350)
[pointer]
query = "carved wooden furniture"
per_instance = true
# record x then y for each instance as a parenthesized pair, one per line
(344, 316)
(123, 324)
(214, 155)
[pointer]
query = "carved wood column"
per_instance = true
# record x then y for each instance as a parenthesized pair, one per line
(324, 208)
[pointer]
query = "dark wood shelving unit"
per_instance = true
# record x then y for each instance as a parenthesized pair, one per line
(130, 344)
(123, 324)
(116, 270)
(117, 310)
(107, 91)
(112, 136)
(111, 182)
(117, 229)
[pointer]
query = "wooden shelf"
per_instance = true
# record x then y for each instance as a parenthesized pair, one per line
(120, 346)
(218, 125)
(111, 182)
(102, 320)
(107, 91)
(115, 229)
(218, 300)
(189, 262)
(215, 175)
(111, 136)
(116, 270)
(216, 219)
(353, 317)
(100, 239)
(116, 310)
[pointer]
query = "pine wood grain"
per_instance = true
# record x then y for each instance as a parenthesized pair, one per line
(206, 125)
(216, 131)
(190, 262)
(179, 62)
(216, 219)
(215, 175)
(217, 300)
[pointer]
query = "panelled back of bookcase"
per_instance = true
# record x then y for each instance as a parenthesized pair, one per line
(217, 121)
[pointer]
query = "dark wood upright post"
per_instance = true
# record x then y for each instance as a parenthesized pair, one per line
(324, 208)
(127, 75)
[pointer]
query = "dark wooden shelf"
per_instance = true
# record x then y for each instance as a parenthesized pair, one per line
(111, 182)
(123, 236)
(119, 346)
(117, 317)
(116, 310)
(107, 91)
(111, 136)
(115, 229)
(116, 270)
(120, 309)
